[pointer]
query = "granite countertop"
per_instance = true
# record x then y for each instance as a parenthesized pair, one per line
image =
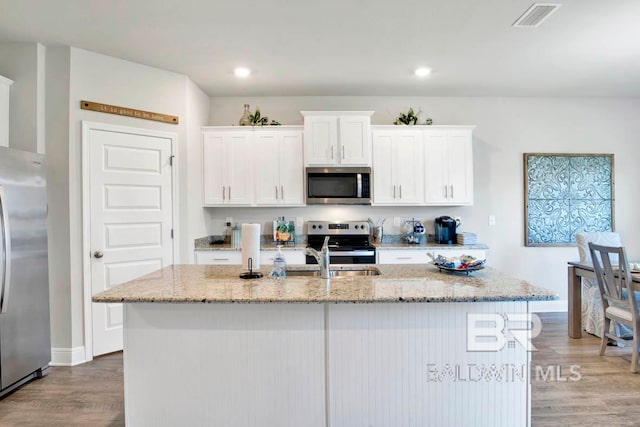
(396, 283)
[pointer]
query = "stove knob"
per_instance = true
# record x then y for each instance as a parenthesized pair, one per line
(320, 226)
(357, 226)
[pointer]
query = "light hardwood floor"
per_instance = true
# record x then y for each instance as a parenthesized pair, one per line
(606, 394)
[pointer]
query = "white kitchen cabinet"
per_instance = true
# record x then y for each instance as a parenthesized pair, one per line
(448, 166)
(227, 167)
(398, 175)
(279, 167)
(419, 256)
(219, 257)
(333, 138)
(290, 257)
(4, 111)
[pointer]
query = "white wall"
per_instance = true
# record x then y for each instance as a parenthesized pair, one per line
(506, 128)
(73, 75)
(24, 64)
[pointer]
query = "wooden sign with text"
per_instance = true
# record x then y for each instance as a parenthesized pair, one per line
(124, 111)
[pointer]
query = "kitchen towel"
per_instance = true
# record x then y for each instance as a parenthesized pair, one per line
(251, 245)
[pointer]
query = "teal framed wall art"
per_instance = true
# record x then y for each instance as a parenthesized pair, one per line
(566, 194)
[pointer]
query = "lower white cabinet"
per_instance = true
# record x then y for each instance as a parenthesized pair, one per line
(219, 257)
(419, 256)
(290, 257)
(234, 257)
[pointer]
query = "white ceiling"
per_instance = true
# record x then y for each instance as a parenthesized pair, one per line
(353, 47)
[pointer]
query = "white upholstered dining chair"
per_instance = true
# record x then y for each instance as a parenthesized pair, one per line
(618, 296)
(592, 314)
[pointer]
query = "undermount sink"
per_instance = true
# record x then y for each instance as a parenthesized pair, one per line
(349, 272)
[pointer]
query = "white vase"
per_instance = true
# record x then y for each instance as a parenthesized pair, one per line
(421, 117)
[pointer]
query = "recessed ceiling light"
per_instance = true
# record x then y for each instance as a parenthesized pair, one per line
(423, 71)
(242, 72)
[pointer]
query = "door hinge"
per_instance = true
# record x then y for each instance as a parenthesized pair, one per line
(171, 160)
(172, 233)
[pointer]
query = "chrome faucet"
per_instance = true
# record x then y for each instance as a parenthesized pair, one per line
(322, 257)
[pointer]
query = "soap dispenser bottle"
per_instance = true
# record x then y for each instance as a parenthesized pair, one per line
(279, 265)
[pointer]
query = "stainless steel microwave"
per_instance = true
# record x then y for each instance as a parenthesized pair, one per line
(338, 186)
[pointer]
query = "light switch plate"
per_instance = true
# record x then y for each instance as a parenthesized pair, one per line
(299, 222)
(492, 220)
(396, 221)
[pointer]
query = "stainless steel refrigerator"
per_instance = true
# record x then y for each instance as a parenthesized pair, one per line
(25, 343)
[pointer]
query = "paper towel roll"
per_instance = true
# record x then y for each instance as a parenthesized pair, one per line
(251, 245)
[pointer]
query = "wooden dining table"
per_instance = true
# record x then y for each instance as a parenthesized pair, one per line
(576, 272)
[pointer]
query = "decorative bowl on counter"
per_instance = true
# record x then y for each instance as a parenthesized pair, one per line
(462, 264)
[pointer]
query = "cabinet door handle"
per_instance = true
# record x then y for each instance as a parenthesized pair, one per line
(445, 192)
(343, 152)
(332, 152)
(223, 194)
(394, 191)
(452, 191)
(276, 191)
(221, 259)
(403, 257)
(229, 193)
(401, 191)
(282, 192)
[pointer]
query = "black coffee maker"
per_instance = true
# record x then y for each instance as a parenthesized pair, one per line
(445, 229)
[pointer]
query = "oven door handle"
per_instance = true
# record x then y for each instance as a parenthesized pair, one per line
(352, 253)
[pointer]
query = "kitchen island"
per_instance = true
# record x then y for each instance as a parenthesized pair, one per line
(204, 347)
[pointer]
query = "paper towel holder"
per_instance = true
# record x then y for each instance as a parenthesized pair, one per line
(251, 274)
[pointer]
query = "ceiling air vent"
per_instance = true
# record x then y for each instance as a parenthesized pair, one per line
(534, 16)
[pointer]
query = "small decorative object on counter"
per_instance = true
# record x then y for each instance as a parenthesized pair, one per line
(461, 264)
(279, 265)
(236, 237)
(283, 231)
(406, 119)
(413, 230)
(244, 119)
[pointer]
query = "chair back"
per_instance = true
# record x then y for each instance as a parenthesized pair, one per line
(604, 238)
(613, 278)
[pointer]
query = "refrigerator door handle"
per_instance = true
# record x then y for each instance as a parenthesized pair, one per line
(5, 244)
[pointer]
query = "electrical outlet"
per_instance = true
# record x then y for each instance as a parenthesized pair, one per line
(492, 220)
(396, 221)
(299, 222)
(458, 219)
(229, 221)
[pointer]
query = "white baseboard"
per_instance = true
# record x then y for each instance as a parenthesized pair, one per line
(67, 356)
(548, 306)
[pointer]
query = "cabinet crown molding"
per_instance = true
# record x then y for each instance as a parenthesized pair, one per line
(337, 113)
(250, 128)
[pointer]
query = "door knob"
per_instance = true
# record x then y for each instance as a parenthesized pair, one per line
(98, 254)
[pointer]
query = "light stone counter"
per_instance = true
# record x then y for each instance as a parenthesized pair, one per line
(396, 283)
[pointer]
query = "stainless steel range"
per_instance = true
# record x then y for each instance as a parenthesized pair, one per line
(348, 241)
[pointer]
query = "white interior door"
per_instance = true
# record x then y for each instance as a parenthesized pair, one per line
(131, 216)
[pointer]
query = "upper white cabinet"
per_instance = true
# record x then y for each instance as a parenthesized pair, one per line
(4, 111)
(227, 167)
(397, 166)
(337, 138)
(279, 167)
(448, 165)
(246, 166)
